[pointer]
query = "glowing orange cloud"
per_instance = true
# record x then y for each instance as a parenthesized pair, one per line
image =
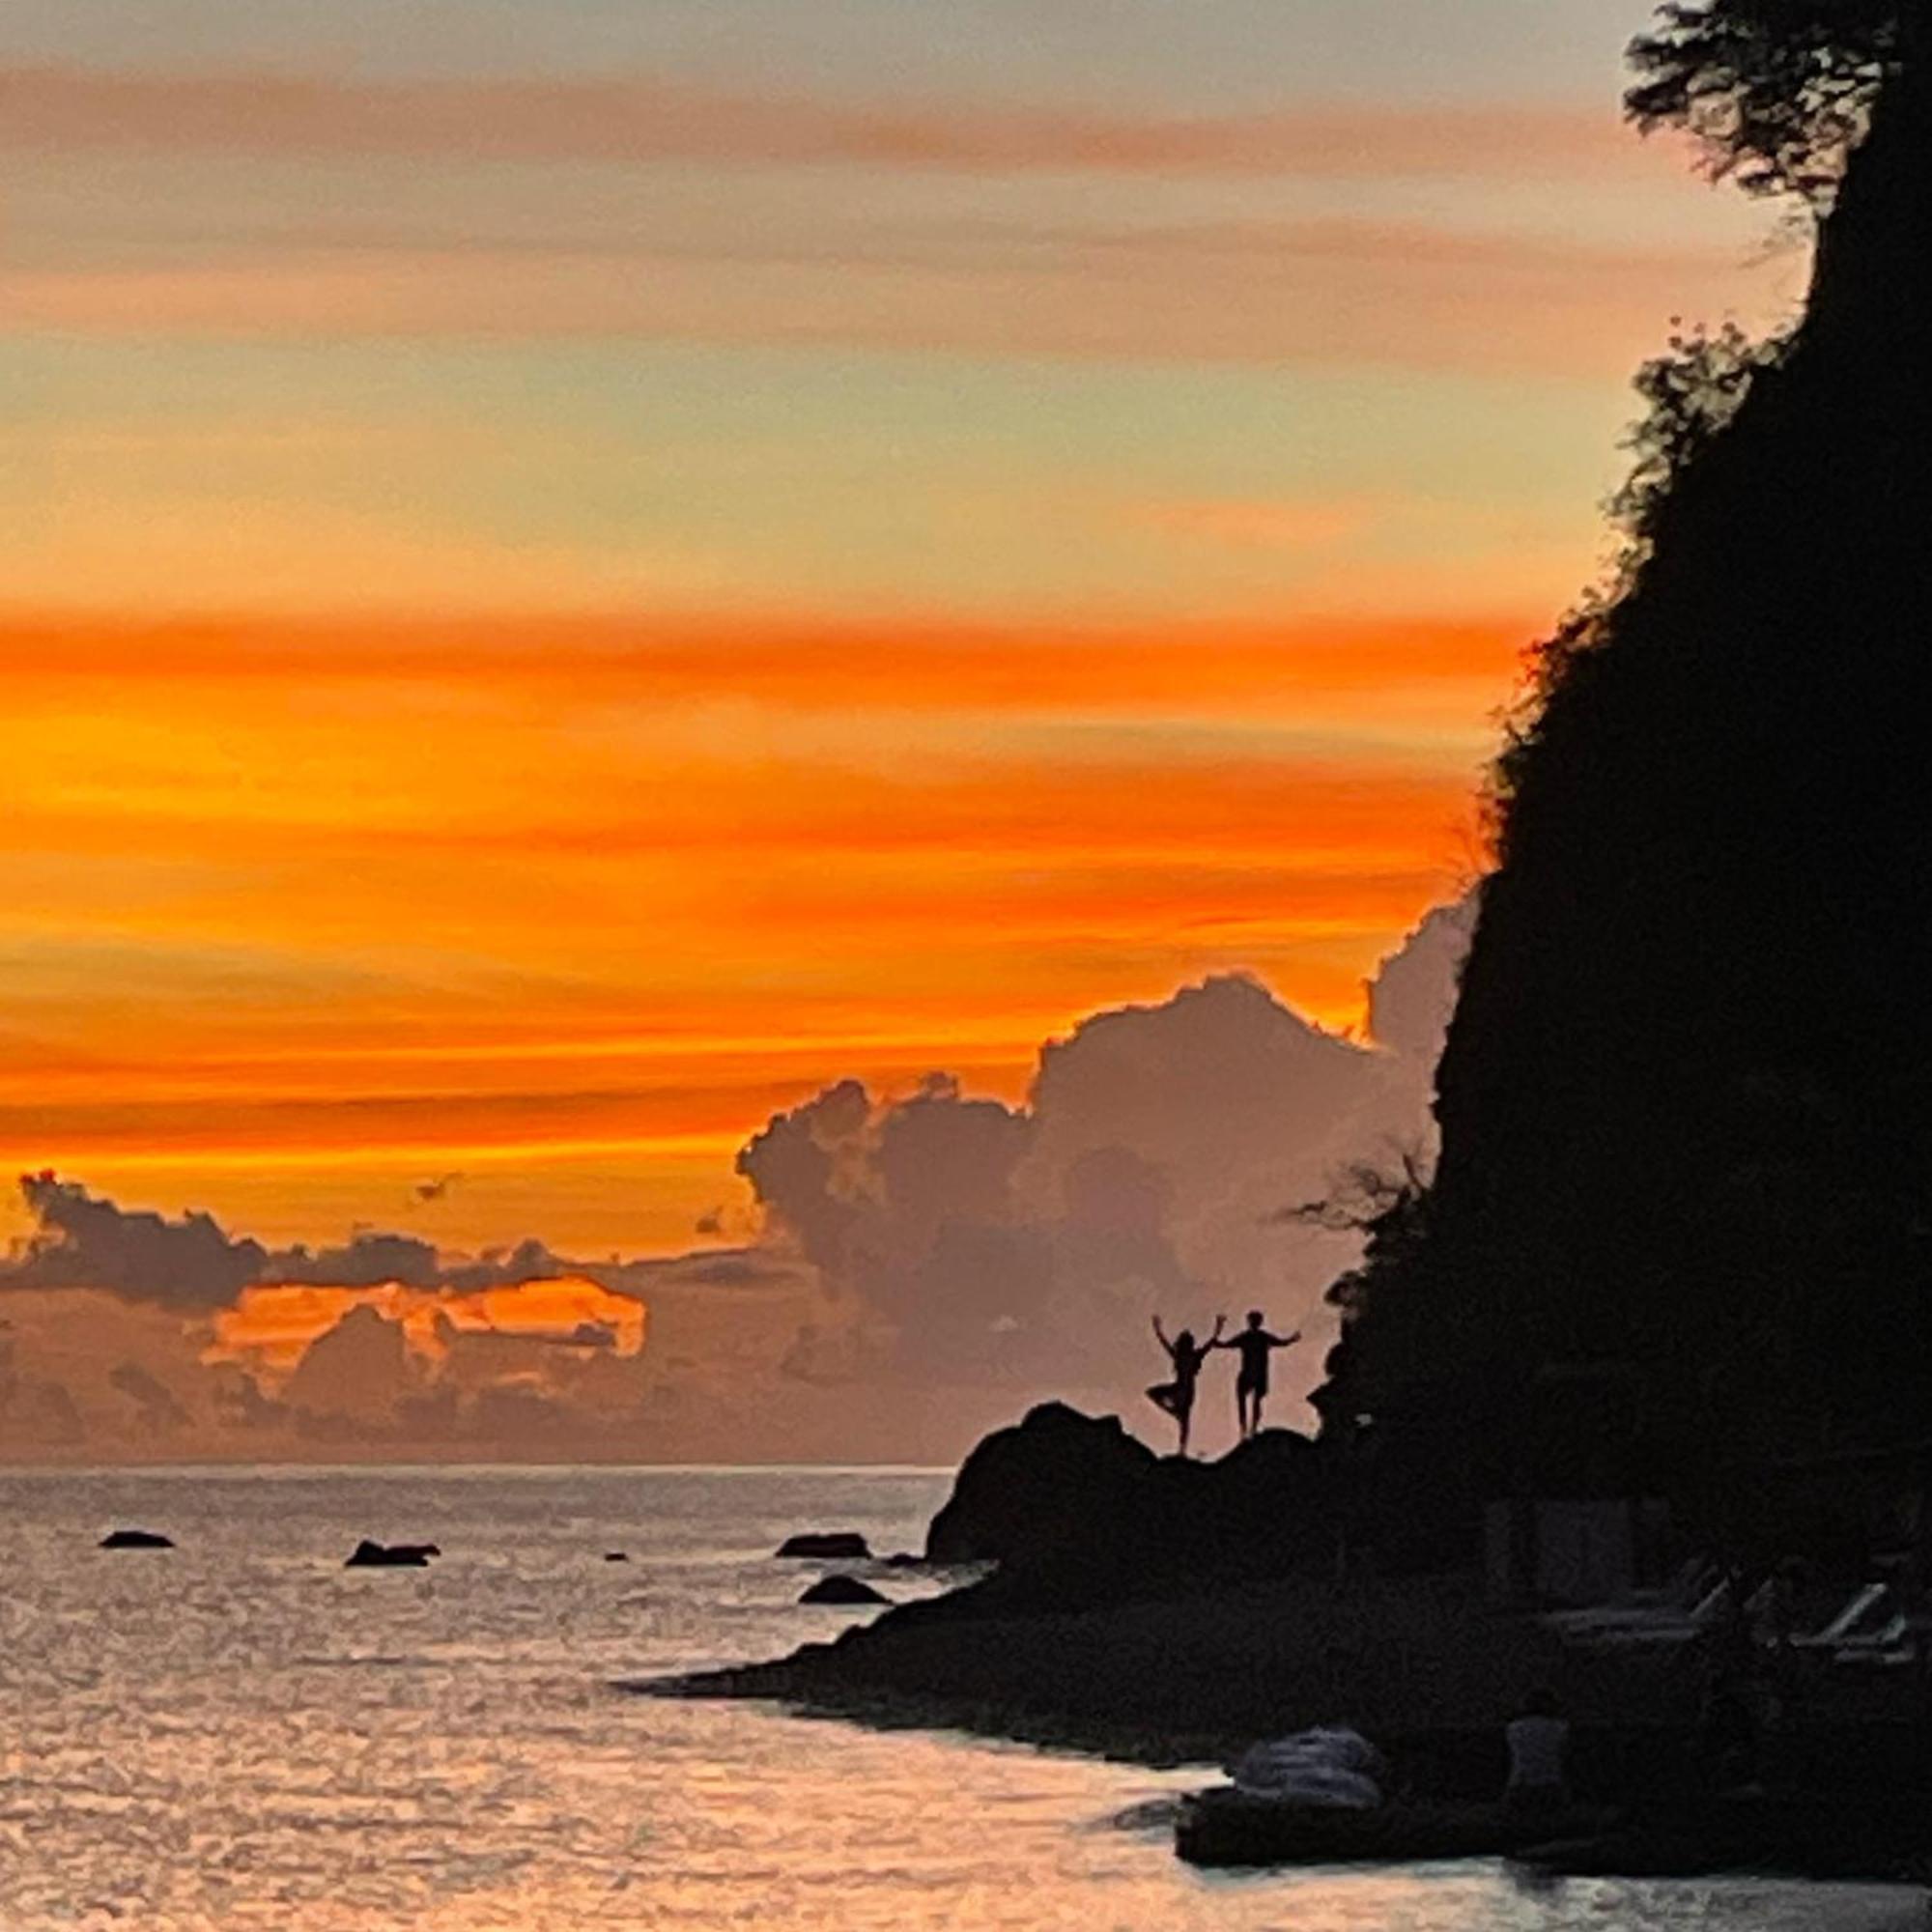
(591, 898)
(869, 663)
(273, 1327)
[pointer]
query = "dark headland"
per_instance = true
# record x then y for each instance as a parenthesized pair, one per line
(1173, 1612)
(1658, 1305)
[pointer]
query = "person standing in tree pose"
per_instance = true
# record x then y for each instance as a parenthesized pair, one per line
(1253, 1345)
(1186, 1354)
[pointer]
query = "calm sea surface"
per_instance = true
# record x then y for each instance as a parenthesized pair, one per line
(240, 1733)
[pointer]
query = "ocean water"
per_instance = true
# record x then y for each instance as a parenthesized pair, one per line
(240, 1733)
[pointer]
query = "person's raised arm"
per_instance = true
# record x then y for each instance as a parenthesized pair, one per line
(1160, 1336)
(1220, 1322)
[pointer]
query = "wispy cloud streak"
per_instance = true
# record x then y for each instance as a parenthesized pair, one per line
(643, 119)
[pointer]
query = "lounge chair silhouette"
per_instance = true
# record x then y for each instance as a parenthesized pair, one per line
(1664, 1626)
(1632, 1609)
(1858, 1610)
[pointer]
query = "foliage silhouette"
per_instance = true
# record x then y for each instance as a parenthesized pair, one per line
(1777, 91)
(1686, 1104)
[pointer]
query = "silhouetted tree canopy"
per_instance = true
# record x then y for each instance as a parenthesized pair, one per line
(1777, 91)
(1690, 393)
(1686, 1101)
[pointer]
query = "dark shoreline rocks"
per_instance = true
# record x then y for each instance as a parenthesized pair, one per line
(135, 1539)
(840, 1589)
(1220, 1666)
(830, 1546)
(1194, 1681)
(1673, 1833)
(1076, 1512)
(1171, 1613)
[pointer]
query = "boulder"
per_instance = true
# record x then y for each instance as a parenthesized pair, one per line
(837, 1546)
(136, 1539)
(1076, 1511)
(617, 1556)
(367, 1555)
(842, 1590)
(1265, 1509)
(1056, 1480)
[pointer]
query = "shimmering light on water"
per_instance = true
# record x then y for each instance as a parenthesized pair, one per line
(239, 1733)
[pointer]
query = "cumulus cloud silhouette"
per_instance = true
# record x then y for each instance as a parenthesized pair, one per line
(921, 1261)
(962, 1239)
(159, 1407)
(193, 1264)
(82, 1240)
(36, 1410)
(1411, 998)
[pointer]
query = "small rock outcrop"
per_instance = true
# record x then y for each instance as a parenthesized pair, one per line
(1055, 1480)
(1074, 1510)
(136, 1539)
(842, 1590)
(835, 1545)
(368, 1556)
(617, 1556)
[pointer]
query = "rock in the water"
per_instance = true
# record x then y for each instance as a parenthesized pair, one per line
(842, 1590)
(838, 1546)
(136, 1539)
(617, 1556)
(367, 1555)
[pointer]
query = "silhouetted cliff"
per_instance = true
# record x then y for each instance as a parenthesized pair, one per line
(1685, 1189)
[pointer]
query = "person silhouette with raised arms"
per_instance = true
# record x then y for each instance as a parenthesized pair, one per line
(1186, 1354)
(1253, 1345)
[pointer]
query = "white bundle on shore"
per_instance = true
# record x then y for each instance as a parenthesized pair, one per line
(1329, 1767)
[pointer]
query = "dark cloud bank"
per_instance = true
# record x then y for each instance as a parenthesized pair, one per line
(925, 1260)
(83, 1240)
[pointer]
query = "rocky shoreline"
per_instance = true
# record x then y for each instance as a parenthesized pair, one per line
(1193, 1679)
(1088, 1636)
(1424, 1670)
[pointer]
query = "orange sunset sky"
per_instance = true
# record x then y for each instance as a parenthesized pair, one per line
(571, 577)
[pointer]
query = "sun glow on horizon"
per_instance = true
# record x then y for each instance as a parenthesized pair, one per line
(302, 900)
(561, 595)
(272, 1327)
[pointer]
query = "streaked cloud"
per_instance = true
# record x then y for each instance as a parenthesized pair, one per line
(760, 545)
(1327, 294)
(641, 118)
(800, 662)
(662, 872)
